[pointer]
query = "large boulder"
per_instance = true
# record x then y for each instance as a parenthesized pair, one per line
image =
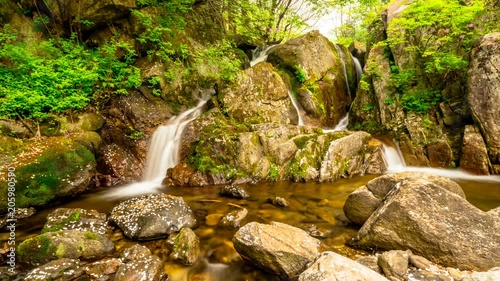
(317, 66)
(72, 244)
(363, 202)
(474, 153)
(152, 216)
(76, 219)
(421, 215)
(279, 248)
(484, 100)
(331, 266)
(259, 96)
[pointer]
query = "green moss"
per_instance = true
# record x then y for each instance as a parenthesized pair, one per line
(61, 224)
(274, 172)
(35, 249)
(90, 235)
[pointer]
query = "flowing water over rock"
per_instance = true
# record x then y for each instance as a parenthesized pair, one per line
(343, 59)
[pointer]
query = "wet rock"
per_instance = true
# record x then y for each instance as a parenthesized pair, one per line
(135, 252)
(331, 266)
(186, 247)
(90, 122)
(419, 262)
(371, 262)
(360, 205)
(72, 244)
(184, 175)
(234, 218)
(152, 216)
(422, 215)
(394, 263)
(19, 214)
(234, 191)
(440, 154)
(474, 156)
(76, 219)
(278, 201)
(61, 269)
(483, 100)
(103, 269)
(149, 268)
(279, 248)
(225, 253)
(490, 275)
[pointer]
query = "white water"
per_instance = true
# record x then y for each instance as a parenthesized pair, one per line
(163, 153)
(342, 59)
(342, 125)
(297, 108)
(359, 69)
(395, 164)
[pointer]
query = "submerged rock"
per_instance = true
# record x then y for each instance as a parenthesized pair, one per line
(186, 247)
(152, 216)
(234, 192)
(331, 266)
(72, 244)
(234, 218)
(279, 248)
(61, 269)
(278, 201)
(423, 215)
(76, 219)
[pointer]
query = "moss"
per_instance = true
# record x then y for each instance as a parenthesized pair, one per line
(35, 249)
(90, 235)
(64, 222)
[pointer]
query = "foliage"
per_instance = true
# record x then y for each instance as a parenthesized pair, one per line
(300, 74)
(420, 101)
(56, 76)
(221, 59)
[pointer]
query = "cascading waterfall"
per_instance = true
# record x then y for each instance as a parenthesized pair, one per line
(359, 69)
(259, 55)
(163, 153)
(344, 68)
(395, 164)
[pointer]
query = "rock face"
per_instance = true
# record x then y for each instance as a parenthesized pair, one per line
(474, 153)
(259, 96)
(72, 244)
(360, 204)
(76, 219)
(315, 64)
(279, 248)
(484, 100)
(331, 266)
(152, 216)
(421, 215)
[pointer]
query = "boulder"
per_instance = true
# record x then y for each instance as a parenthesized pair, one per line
(135, 252)
(234, 191)
(318, 70)
(185, 247)
(76, 219)
(331, 266)
(371, 262)
(474, 157)
(60, 269)
(360, 204)
(278, 248)
(422, 215)
(490, 275)
(103, 269)
(394, 263)
(234, 218)
(140, 264)
(259, 96)
(152, 216)
(72, 244)
(483, 101)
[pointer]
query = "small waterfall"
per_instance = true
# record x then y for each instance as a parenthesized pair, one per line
(359, 69)
(297, 108)
(343, 59)
(260, 54)
(163, 153)
(395, 164)
(342, 125)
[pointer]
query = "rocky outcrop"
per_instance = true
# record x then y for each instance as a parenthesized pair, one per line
(259, 96)
(152, 216)
(331, 266)
(474, 157)
(484, 91)
(421, 215)
(316, 66)
(76, 219)
(363, 202)
(279, 248)
(72, 244)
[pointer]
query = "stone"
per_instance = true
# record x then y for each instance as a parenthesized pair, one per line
(490, 275)
(234, 192)
(103, 269)
(360, 205)
(135, 252)
(474, 157)
(421, 215)
(278, 248)
(234, 218)
(371, 262)
(149, 268)
(394, 263)
(77, 219)
(455, 273)
(60, 269)
(152, 216)
(278, 201)
(13, 129)
(483, 101)
(186, 247)
(72, 244)
(440, 154)
(331, 266)
(419, 262)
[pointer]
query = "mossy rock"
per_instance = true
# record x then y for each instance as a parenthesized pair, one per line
(9, 148)
(90, 122)
(91, 140)
(62, 168)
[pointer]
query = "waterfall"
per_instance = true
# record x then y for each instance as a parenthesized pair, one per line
(343, 59)
(342, 125)
(359, 69)
(395, 164)
(260, 55)
(163, 153)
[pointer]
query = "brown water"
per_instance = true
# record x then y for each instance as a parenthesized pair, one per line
(314, 207)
